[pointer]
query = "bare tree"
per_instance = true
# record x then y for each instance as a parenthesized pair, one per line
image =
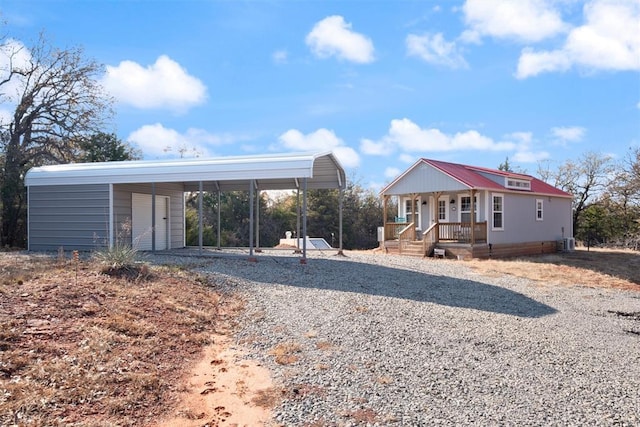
(585, 179)
(58, 100)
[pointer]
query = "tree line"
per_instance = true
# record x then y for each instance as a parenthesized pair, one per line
(361, 211)
(59, 113)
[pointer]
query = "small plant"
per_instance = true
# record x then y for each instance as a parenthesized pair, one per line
(122, 259)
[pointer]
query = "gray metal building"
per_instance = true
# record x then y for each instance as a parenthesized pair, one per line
(89, 205)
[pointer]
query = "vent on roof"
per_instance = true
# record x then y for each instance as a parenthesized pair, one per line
(517, 184)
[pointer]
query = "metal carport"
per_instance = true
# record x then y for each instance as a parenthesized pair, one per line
(290, 171)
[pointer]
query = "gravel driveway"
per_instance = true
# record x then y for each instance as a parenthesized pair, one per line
(387, 340)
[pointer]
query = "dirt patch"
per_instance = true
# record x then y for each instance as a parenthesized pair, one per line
(225, 389)
(80, 346)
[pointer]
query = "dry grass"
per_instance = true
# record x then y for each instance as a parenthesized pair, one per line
(602, 268)
(94, 349)
(286, 353)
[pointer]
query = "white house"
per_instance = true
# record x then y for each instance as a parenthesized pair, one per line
(511, 214)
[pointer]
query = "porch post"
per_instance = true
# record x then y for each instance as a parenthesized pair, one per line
(385, 201)
(436, 214)
(473, 217)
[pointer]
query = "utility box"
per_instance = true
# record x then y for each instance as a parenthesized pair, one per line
(380, 234)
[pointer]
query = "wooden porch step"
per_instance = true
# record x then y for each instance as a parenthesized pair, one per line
(409, 248)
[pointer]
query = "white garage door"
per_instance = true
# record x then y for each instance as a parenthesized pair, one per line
(142, 225)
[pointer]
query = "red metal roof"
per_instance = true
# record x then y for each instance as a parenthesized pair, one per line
(470, 176)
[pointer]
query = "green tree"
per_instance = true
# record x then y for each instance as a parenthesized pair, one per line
(57, 100)
(506, 166)
(105, 147)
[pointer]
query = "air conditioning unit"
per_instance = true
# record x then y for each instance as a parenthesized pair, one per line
(569, 244)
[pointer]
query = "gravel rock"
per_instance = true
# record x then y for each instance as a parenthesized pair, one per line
(388, 340)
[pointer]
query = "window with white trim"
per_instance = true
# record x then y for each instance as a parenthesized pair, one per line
(412, 214)
(539, 210)
(465, 208)
(497, 212)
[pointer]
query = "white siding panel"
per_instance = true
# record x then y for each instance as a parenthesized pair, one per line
(425, 179)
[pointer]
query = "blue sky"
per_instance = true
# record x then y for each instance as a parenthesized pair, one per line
(381, 83)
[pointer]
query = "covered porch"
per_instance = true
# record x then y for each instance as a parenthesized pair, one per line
(405, 234)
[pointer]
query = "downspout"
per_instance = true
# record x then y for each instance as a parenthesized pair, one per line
(111, 226)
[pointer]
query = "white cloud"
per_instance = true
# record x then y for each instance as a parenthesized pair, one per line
(6, 117)
(280, 56)
(530, 156)
(373, 148)
(524, 20)
(409, 137)
(568, 133)
(406, 158)
(320, 140)
(391, 172)
(532, 63)
(157, 141)
(608, 40)
(13, 54)
(435, 50)
(164, 84)
(332, 36)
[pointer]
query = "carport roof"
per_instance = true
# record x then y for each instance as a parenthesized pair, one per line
(271, 172)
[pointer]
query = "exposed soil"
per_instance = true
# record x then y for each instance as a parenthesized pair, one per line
(81, 347)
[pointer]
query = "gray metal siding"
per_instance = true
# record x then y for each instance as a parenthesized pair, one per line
(520, 223)
(122, 209)
(68, 216)
(424, 179)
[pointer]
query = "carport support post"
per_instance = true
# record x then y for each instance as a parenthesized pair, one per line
(252, 258)
(153, 217)
(219, 225)
(303, 260)
(298, 219)
(200, 217)
(340, 205)
(258, 220)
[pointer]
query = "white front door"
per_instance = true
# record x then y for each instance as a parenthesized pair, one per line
(141, 227)
(442, 210)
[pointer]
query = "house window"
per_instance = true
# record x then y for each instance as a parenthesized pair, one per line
(498, 212)
(465, 208)
(539, 210)
(412, 214)
(442, 209)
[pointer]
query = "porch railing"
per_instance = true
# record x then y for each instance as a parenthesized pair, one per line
(429, 239)
(461, 232)
(407, 234)
(392, 229)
